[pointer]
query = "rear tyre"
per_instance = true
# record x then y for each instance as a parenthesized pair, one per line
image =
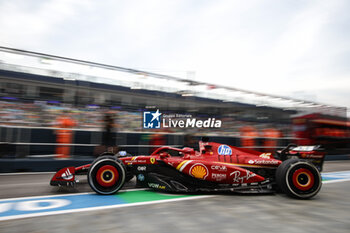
(298, 178)
(106, 175)
(106, 154)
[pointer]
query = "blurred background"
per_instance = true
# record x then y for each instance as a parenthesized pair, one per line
(75, 77)
(61, 108)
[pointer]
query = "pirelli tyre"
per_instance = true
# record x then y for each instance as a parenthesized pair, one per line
(106, 175)
(129, 175)
(298, 178)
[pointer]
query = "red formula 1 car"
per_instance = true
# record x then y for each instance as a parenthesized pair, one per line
(216, 167)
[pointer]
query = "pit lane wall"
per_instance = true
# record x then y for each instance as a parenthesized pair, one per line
(33, 149)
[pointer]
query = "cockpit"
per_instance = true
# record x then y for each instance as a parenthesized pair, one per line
(174, 152)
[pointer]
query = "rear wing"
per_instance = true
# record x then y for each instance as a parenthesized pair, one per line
(313, 153)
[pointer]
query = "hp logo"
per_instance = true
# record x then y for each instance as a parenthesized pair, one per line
(224, 150)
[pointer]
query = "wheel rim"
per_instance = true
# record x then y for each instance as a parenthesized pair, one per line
(303, 179)
(107, 176)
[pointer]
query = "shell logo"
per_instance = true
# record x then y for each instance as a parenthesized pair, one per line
(199, 171)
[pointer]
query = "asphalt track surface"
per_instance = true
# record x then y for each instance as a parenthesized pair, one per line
(329, 211)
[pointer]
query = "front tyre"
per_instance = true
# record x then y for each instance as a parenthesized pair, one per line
(106, 175)
(298, 178)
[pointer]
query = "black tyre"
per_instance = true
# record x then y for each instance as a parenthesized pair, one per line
(106, 175)
(106, 154)
(129, 175)
(298, 178)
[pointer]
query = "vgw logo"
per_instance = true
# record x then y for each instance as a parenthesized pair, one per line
(151, 120)
(224, 150)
